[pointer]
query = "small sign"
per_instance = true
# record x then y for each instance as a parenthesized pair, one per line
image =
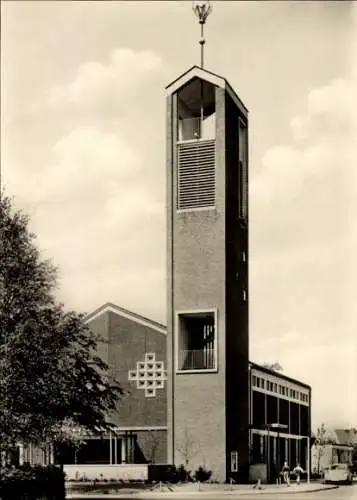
(234, 461)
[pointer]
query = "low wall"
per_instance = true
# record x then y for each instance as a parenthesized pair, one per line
(125, 472)
(258, 471)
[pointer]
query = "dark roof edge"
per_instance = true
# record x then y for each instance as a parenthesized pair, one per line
(180, 76)
(279, 374)
(213, 74)
(125, 311)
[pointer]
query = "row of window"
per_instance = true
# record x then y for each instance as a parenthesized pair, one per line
(261, 383)
(293, 451)
(268, 408)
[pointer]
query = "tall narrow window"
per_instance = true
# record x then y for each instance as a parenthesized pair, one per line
(243, 170)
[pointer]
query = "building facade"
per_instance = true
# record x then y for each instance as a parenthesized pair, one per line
(338, 449)
(134, 349)
(191, 396)
(207, 273)
(280, 421)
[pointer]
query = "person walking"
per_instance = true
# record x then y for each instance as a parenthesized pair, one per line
(286, 473)
(298, 470)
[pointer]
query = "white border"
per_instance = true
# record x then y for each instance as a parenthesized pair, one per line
(213, 310)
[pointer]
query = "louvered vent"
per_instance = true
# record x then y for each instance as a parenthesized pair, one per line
(196, 175)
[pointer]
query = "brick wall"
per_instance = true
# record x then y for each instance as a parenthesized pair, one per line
(200, 254)
(128, 342)
(153, 445)
(196, 281)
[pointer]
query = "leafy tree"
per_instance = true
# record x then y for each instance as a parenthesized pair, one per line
(51, 379)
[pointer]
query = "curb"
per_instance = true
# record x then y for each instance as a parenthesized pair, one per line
(208, 494)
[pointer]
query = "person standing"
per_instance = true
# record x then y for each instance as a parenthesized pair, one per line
(298, 470)
(286, 473)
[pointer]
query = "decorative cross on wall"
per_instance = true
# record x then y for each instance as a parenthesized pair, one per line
(149, 375)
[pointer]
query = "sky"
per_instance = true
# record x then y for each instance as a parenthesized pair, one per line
(83, 152)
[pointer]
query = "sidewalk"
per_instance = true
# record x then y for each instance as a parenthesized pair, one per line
(205, 491)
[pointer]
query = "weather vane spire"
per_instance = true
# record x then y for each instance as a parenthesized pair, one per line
(202, 11)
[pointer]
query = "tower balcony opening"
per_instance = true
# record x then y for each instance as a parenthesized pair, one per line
(197, 128)
(196, 111)
(197, 343)
(196, 122)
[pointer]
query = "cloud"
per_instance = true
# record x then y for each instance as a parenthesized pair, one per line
(93, 203)
(303, 248)
(104, 227)
(87, 166)
(103, 87)
(303, 193)
(329, 366)
(94, 80)
(327, 110)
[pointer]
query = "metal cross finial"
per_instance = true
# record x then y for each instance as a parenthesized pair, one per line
(202, 11)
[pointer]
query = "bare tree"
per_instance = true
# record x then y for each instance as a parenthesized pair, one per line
(187, 447)
(153, 441)
(322, 438)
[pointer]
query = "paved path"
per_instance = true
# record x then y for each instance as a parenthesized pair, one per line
(191, 491)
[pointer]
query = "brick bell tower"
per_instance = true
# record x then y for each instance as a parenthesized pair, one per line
(207, 273)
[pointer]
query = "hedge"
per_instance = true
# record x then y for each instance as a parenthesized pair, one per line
(32, 483)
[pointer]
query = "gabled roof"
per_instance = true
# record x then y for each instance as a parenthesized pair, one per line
(120, 311)
(203, 74)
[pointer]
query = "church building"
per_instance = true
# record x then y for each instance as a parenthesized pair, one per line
(191, 395)
(135, 349)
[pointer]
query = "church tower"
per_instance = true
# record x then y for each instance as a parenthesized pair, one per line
(207, 274)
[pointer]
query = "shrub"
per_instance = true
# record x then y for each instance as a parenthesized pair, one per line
(183, 475)
(31, 483)
(202, 474)
(168, 474)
